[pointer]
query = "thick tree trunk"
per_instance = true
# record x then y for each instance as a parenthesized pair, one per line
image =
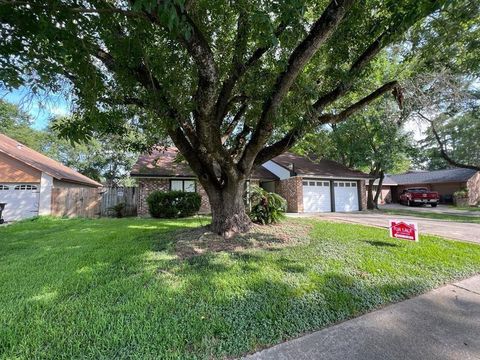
(228, 210)
(379, 190)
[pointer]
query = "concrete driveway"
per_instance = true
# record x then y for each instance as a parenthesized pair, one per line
(447, 229)
(440, 209)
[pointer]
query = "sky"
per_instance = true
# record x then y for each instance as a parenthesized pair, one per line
(41, 108)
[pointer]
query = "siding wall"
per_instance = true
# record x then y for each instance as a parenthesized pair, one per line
(14, 171)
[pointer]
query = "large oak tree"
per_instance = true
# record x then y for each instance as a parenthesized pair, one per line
(233, 83)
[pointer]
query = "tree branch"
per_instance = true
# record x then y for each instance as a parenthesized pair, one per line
(443, 150)
(319, 33)
(297, 132)
(236, 119)
(330, 118)
(343, 87)
(239, 68)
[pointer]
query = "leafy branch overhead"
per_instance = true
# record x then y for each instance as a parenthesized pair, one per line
(232, 83)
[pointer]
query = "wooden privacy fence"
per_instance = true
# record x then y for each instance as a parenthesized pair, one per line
(90, 202)
(115, 196)
(76, 202)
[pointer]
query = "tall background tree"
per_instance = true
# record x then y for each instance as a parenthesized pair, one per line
(447, 105)
(232, 83)
(373, 141)
(104, 158)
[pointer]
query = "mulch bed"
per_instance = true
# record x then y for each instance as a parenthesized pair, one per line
(199, 241)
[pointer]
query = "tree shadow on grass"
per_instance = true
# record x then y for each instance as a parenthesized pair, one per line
(381, 243)
(214, 304)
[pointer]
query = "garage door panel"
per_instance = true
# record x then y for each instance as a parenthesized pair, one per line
(316, 196)
(22, 201)
(346, 196)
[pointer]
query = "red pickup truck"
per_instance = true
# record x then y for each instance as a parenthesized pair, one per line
(419, 196)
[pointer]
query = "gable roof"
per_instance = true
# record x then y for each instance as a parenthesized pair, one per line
(437, 176)
(164, 163)
(42, 163)
(387, 181)
(304, 166)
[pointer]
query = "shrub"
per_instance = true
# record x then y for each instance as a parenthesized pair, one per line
(461, 193)
(173, 204)
(266, 207)
(118, 209)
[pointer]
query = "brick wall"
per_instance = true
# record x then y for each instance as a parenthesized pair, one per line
(473, 186)
(291, 189)
(146, 186)
(363, 195)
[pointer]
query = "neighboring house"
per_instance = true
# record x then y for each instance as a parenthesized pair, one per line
(385, 196)
(27, 179)
(307, 185)
(445, 182)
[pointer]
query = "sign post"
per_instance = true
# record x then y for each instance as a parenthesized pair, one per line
(400, 229)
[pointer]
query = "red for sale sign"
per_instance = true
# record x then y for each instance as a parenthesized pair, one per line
(403, 230)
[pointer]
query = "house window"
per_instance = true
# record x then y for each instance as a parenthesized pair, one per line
(326, 183)
(347, 184)
(354, 184)
(305, 183)
(183, 185)
(25, 187)
(312, 183)
(4, 187)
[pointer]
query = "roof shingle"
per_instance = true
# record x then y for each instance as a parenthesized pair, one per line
(164, 163)
(42, 163)
(437, 176)
(326, 168)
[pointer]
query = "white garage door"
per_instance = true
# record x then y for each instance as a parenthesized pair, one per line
(316, 196)
(22, 201)
(346, 196)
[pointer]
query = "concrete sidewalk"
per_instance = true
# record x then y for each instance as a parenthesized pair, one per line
(442, 324)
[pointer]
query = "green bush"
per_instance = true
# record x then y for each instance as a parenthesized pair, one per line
(463, 192)
(118, 210)
(173, 204)
(266, 207)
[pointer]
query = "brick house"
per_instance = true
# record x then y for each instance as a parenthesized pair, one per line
(307, 185)
(28, 180)
(445, 182)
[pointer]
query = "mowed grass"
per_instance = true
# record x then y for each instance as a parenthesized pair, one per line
(114, 288)
(434, 215)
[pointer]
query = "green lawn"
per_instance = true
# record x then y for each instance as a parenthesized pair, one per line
(433, 215)
(115, 289)
(468, 208)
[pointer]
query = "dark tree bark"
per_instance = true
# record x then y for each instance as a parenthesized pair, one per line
(228, 209)
(443, 148)
(370, 202)
(379, 190)
(217, 140)
(372, 199)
